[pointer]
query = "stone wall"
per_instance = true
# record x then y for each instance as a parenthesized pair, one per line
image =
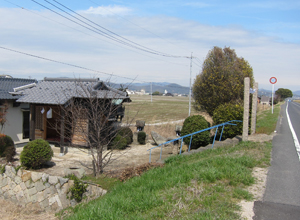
(39, 190)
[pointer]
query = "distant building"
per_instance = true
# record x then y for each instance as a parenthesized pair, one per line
(130, 92)
(265, 100)
(168, 94)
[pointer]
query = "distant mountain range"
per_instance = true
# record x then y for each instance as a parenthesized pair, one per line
(176, 88)
(160, 87)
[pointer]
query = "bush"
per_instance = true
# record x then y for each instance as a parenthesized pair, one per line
(192, 124)
(36, 153)
(78, 189)
(119, 142)
(127, 133)
(9, 153)
(7, 147)
(228, 112)
(141, 137)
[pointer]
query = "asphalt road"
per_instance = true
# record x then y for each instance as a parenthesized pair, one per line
(281, 200)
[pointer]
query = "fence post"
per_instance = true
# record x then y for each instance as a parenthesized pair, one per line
(254, 108)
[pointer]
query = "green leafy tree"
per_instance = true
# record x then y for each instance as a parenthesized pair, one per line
(221, 80)
(283, 93)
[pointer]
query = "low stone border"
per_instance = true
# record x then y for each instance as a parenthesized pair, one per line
(40, 190)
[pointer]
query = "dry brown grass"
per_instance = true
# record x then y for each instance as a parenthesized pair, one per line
(161, 109)
(167, 129)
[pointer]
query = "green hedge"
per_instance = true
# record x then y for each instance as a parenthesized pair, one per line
(192, 124)
(228, 112)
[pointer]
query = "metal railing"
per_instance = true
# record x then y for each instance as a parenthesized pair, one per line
(191, 135)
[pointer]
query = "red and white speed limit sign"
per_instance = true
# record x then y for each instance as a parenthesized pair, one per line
(273, 80)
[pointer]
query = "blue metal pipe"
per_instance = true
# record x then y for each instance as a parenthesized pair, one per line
(191, 135)
(215, 138)
(190, 143)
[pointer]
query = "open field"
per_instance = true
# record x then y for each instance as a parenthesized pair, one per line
(161, 115)
(161, 109)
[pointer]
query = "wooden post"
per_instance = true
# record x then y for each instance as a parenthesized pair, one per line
(254, 108)
(32, 122)
(62, 132)
(44, 135)
(246, 108)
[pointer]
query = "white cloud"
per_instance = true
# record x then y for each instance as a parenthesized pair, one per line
(30, 33)
(108, 10)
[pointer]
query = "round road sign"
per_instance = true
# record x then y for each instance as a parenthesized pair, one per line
(273, 80)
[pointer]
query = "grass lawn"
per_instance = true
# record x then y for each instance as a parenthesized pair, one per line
(205, 185)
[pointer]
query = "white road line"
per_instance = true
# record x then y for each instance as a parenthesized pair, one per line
(293, 132)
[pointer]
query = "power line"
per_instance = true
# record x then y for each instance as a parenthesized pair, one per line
(159, 53)
(22, 7)
(64, 63)
(77, 66)
(137, 25)
(103, 33)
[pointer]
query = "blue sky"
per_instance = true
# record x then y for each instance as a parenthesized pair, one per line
(265, 33)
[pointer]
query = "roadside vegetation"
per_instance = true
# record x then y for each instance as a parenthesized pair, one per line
(266, 121)
(206, 185)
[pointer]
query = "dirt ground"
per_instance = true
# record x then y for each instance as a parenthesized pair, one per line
(132, 156)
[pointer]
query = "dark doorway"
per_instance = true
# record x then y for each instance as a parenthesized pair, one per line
(25, 124)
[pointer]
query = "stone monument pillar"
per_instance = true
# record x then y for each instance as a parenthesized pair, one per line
(254, 108)
(246, 108)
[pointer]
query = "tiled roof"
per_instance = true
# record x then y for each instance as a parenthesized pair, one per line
(8, 84)
(59, 92)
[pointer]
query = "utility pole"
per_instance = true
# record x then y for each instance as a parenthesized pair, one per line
(190, 95)
(151, 90)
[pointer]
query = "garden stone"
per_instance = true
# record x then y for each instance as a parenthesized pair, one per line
(45, 177)
(52, 180)
(158, 139)
(39, 186)
(26, 176)
(32, 191)
(35, 176)
(19, 173)
(62, 180)
(18, 180)
(78, 172)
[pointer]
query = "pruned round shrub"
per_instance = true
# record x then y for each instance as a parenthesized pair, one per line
(35, 154)
(6, 142)
(127, 133)
(225, 113)
(192, 124)
(141, 137)
(119, 142)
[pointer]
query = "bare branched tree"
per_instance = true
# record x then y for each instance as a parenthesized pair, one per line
(91, 118)
(3, 112)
